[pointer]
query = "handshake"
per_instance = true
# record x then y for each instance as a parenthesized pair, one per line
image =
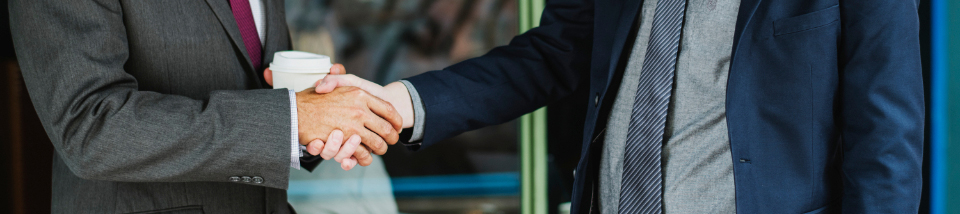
(343, 105)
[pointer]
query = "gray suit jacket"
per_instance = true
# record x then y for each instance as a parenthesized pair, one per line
(153, 105)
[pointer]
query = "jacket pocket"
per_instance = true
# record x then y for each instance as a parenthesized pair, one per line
(806, 21)
(193, 209)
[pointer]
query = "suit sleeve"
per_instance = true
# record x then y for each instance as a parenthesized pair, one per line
(881, 105)
(537, 67)
(72, 55)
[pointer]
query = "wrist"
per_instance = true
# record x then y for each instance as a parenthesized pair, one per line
(299, 99)
(398, 96)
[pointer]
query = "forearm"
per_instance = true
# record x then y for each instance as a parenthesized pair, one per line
(73, 56)
(150, 137)
(543, 64)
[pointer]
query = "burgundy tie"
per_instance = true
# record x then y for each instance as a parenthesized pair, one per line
(248, 29)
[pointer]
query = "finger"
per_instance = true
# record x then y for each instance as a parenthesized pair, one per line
(348, 148)
(386, 130)
(330, 82)
(386, 111)
(333, 145)
(338, 69)
(268, 76)
(348, 163)
(373, 142)
(363, 157)
(315, 147)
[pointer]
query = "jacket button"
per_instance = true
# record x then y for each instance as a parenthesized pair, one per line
(257, 179)
(246, 179)
(235, 179)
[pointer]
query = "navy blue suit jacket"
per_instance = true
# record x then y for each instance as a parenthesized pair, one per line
(824, 98)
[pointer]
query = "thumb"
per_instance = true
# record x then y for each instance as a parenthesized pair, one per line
(337, 69)
(268, 76)
(330, 82)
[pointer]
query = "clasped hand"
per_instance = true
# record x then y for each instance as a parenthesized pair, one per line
(325, 118)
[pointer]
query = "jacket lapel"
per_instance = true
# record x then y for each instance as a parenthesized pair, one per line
(276, 37)
(222, 9)
(269, 26)
(275, 27)
(628, 16)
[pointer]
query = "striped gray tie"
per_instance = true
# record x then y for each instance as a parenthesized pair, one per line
(641, 188)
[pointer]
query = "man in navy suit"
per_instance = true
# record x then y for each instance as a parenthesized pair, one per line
(715, 106)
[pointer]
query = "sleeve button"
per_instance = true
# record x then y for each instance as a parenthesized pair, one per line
(246, 179)
(234, 179)
(257, 179)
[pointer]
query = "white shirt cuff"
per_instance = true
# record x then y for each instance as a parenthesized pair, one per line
(295, 147)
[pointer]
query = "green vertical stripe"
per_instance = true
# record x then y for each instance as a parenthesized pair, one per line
(540, 161)
(526, 164)
(533, 134)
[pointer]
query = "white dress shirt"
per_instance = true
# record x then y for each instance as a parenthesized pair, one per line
(256, 9)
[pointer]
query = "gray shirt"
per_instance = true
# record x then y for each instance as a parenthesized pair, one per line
(697, 165)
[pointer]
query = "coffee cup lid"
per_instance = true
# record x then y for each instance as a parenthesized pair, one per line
(300, 62)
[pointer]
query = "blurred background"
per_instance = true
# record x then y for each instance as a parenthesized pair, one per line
(384, 41)
(478, 171)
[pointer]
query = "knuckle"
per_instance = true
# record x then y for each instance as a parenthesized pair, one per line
(347, 131)
(381, 143)
(387, 129)
(365, 161)
(394, 137)
(361, 94)
(357, 112)
(335, 135)
(381, 150)
(330, 149)
(361, 155)
(377, 145)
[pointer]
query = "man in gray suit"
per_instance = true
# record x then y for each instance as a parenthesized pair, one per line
(159, 106)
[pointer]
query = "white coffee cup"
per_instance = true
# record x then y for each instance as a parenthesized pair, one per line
(298, 70)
